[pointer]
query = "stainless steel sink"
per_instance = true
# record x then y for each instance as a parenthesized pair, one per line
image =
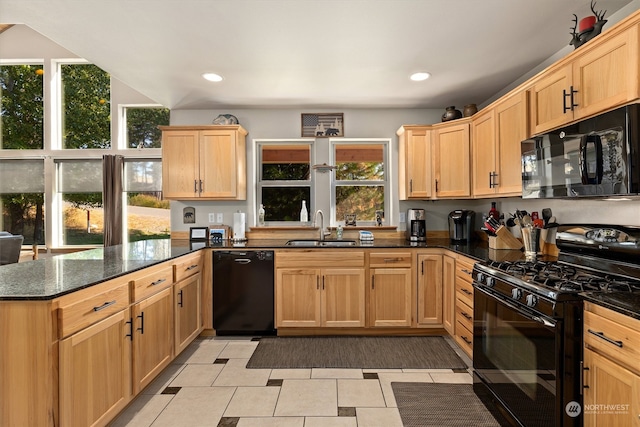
(316, 243)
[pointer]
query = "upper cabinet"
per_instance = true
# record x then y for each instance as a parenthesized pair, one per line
(204, 162)
(600, 75)
(497, 133)
(414, 153)
(451, 154)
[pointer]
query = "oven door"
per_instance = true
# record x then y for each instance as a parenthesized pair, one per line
(516, 354)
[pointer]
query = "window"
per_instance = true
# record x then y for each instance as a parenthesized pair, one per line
(142, 126)
(147, 215)
(360, 180)
(22, 198)
(284, 179)
(86, 100)
(22, 113)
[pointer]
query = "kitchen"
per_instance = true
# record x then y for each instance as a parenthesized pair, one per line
(364, 122)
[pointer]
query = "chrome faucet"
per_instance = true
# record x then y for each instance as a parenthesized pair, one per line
(315, 222)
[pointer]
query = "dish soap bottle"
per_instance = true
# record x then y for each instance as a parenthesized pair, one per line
(304, 215)
(261, 215)
(339, 231)
(493, 212)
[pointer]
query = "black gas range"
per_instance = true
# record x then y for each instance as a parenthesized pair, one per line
(527, 345)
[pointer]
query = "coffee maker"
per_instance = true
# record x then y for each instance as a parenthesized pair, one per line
(416, 225)
(461, 225)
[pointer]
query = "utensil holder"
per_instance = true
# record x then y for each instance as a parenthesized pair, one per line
(504, 240)
(531, 241)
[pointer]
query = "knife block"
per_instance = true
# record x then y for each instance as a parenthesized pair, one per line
(504, 240)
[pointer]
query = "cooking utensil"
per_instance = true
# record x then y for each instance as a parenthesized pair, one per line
(546, 214)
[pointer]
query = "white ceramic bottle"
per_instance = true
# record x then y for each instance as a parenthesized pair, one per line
(261, 216)
(304, 215)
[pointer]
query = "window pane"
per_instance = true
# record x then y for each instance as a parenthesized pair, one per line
(142, 126)
(79, 176)
(284, 203)
(21, 176)
(148, 216)
(86, 93)
(361, 200)
(82, 219)
(24, 214)
(142, 176)
(21, 107)
(285, 162)
(360, 162)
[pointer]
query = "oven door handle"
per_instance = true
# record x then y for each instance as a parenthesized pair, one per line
(521, 310)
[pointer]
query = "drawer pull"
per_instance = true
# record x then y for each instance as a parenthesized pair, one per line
(130, 334)
(464, 270)
(466, 291)
(191, 267)
(465, 339)
(466, 315)
(105, 305)
(180, 299)
(606, 338)
(392, 259)
(157, 282)
(141, 328)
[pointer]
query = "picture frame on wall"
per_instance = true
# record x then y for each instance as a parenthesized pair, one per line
(322, 125)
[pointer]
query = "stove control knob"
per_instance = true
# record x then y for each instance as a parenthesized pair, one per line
(480, 277)
(516, 293)
(532, 300)
(490, 282)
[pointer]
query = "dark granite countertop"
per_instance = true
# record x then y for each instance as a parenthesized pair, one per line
(623, 302)
(55, 276)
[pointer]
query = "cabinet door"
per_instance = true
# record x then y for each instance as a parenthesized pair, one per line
(180, 170)
(607, 383)
(448, 293)
(512, 128)
(390, 297)
(297, 297)
(152, 338)
(95, 372)
(484, 153)
(451, 152)
(218, 163)
(430, 290)
(188, 320)
(606, 75)
(342, 297)
(415, 163)
(548, 101)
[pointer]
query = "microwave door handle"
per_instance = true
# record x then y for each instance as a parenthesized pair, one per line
(597, 145)
(600, 165)
(584, 173)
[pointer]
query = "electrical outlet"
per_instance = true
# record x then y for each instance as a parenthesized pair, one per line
(220, 218)
(402, 217)
(212, 218)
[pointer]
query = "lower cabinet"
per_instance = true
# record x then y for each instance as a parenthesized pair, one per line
(391, 297)
(101, 353)
(152, 337)
(187, 313)
(430, 302)
(448, 293)
(464, 304)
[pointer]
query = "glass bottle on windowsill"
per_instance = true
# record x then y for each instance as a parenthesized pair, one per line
(261, 216)
(304, 214)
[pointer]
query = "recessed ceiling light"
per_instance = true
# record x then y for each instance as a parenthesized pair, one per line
(212, 77)
(418, 77)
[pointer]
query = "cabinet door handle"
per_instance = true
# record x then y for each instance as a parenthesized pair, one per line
(436, 185)
(492, 179)
(191, 267)
(422, 268)
(180, 298)
(130, 323)
(392, 259)
(606, 338)
(318, 282)
(157, 282)
(201, 187)
(195, 185)
(573, 92)
(323, 283)
(411, 186)
(373, 282)
(565, 95)
(583, 369)
(105, 305)
(141, 328)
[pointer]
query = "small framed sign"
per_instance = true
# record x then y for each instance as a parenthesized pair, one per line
(322, 125)
(198, 233)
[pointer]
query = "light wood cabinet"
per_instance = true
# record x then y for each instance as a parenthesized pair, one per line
(597, 77)
(451, 159)
(497, 134)
(95, 372)
(297, 297)
(415, 162)
(204, 162)
(390, 289)
(464, 304)
(448, 293)
(430, 301)
(188, 318)
(611, 368)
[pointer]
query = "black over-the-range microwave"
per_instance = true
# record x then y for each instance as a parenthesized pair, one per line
(596, 157)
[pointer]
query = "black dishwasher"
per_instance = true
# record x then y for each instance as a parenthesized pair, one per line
(243, 292)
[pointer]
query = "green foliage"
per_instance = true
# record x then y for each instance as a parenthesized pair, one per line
(284, 203)
(147, 201)
(142, 126)
(83, 200)
(21, 107)
(285, 171)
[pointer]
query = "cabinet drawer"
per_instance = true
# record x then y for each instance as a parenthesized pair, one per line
(464, 337)
(319, 258)
(464, 292)
(619, 342)
(464, 315)
(187, 266)
(464, 268)
(155, 280)
(390, 259)
(79, 314)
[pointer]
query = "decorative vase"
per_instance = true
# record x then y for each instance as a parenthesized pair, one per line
(451, 114)
(469, 110)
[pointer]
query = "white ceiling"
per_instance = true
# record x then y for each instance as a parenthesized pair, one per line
(309, 53)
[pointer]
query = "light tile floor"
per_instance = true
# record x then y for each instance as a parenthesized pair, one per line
(209, 385)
